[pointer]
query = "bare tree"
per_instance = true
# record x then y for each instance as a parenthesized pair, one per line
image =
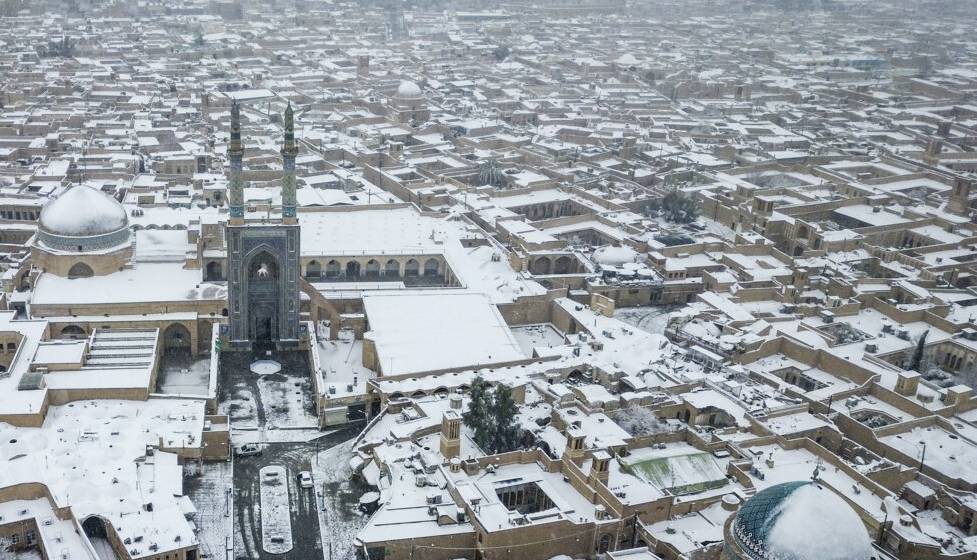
(639, 421)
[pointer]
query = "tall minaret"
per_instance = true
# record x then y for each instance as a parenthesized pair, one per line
(235, 153)
(289, 151)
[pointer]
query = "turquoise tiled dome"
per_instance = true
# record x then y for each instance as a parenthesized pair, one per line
(800, 520)
(757, 516)
(83, 219)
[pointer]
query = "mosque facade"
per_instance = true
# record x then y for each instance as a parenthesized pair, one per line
(263, 256)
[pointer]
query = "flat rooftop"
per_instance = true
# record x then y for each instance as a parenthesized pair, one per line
(417, 333)
(92, 456)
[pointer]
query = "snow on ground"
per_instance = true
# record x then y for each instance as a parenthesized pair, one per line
(290, 435)
(265, 367)
(210, 493)
(185, 378)
(285, 400)
(276, 521)
(649, 319)
(340, 518)
(532, 336)
(241, 408)
(103, 548)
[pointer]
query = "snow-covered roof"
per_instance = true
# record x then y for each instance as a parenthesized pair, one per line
(83, 211)
(408, 90)
(145, 282)
(803, 521)
(96, 462)
(433, 331)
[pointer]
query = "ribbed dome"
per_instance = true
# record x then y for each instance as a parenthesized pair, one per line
(83, 212)
(409, 90)
(801, 521)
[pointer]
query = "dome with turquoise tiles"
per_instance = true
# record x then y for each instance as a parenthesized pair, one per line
(800, 520)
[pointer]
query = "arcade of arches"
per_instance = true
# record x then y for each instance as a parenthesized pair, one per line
(554, 264)
(423, 269)
(406, 268)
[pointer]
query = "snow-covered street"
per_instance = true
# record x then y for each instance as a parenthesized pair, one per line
(212, 495)
(311, 525)
(339, 518)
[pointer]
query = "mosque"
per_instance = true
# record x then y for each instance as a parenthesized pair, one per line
(263, 255)
(408, 104)
(237, 268)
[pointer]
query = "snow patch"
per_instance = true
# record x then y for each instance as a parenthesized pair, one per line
(83, 211)
(276, 521)
(265, 367)
(615, 256)
(813, 522)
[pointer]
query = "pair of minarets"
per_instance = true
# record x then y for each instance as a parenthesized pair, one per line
(235, 153)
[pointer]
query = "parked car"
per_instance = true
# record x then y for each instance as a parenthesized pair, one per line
(305, 479)
(248, 449)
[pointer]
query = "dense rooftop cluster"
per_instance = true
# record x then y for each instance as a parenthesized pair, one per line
(642, 280)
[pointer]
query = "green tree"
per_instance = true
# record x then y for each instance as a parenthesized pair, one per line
(917, 359)
(507, 434)
(678, 207)
(478, 417)
(67, 49)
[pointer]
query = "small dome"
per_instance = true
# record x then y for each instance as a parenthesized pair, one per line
(83, 212)
(615, 256)
(408, 89)
(627, 59)
(801, 521)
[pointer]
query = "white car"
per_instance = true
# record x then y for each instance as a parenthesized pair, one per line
(248, 449)
(305, 479)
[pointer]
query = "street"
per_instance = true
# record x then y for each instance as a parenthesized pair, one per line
(305, 505)
(276, 411)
